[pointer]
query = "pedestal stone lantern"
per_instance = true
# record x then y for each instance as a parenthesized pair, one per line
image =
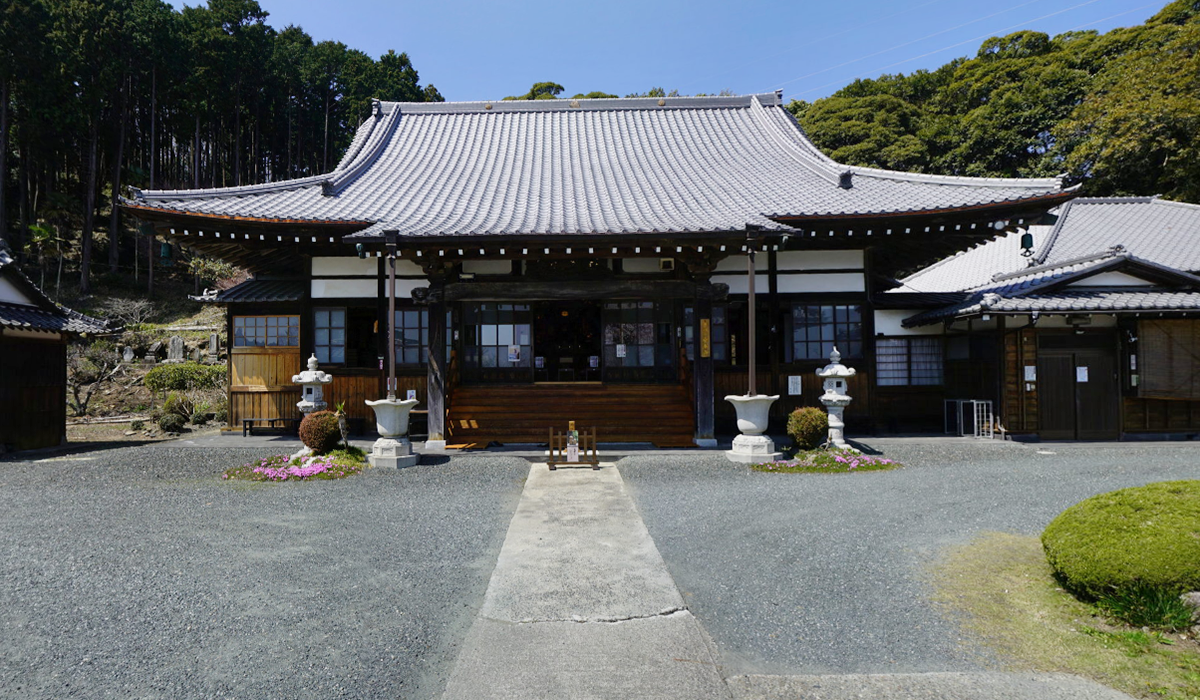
(313, 397)
(835, 398)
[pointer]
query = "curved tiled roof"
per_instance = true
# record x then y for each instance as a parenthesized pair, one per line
(43, 314)
(589, 167)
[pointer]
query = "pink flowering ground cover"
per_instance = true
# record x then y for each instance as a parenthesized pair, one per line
(828, 462)
(337, 464)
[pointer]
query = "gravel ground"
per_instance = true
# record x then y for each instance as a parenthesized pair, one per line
(139, 573)
(825, 573)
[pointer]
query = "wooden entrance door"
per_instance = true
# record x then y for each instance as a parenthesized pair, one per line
(1078, 394)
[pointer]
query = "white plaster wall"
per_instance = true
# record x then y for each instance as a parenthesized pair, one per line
(738, 283)
(1061, 322)
(822, 282)
(1111, 279)
(349, 266)
(486, 267)
(641, 265)
(888, 322)
(10, 294)
(818, 260)
(365, 288)
(737, 263)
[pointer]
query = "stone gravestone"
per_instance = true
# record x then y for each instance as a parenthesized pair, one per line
(175, 349)
(197, 355)
(214, 348)
(152, 353)
(127, 355)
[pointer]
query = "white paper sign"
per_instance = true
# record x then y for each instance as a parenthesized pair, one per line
(593, 361)
(1081, 374)
(572, 453)
(794, 385)
(1031, 373)
(539, 362)
(620, 350)
(514, 353)
(412, 394)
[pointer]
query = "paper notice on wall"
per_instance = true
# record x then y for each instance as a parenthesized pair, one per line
(794, 385)
(1031, 373)
(620, 350)
(572, 453)
(514, 353)
(1081, 374)
(411, 395)
(539, 362)
(593, 361)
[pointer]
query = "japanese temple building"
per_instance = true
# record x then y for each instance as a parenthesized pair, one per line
(585, 260)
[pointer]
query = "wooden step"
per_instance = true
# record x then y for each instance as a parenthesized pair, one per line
(657, 413)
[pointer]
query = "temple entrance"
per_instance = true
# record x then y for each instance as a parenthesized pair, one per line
(566, 338)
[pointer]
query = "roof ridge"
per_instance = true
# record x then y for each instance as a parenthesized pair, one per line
(823, 169)
(965, 180)
(588, 104)
(374, 143)
(1114, 252)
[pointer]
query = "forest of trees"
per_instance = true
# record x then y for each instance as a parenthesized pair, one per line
(96, 95)
(1119, 112)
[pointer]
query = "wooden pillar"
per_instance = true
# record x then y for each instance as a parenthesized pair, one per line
(436, 359)
(703, 386)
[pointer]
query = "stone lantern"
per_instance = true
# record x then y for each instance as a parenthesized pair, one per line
(314, 381)
(836, 376)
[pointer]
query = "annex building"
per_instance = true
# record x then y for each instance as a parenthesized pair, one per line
(587, 260)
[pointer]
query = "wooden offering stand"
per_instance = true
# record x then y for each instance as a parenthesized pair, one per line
(584, 452)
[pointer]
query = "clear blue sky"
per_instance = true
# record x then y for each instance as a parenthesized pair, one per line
(486, 49)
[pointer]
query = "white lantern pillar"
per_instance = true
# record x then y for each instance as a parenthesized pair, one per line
(835, 398)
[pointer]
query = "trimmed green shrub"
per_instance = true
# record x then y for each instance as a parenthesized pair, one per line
(221, 415)
(185, 376)
(179, 404)
(808, 427)
(199, 418)
(171, 423)
(319, 431)
(136, 424)
(1147, 537)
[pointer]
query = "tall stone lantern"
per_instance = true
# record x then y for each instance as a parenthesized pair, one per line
(314, 381)
(836, 376)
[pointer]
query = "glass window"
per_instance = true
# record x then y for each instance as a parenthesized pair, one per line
(637, 334)
(816, 329)
(329, 334)
(266, 331)
(498, 335)
(908, 361)
(412, 336)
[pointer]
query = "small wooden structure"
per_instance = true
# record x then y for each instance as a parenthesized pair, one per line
(587, 448)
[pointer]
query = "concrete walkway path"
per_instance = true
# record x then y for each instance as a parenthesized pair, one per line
(581, 606)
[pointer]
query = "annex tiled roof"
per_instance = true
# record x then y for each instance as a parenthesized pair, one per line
(256, 290)
(1042, 289)
(621, 166)
(45, 315)
(1152, 229)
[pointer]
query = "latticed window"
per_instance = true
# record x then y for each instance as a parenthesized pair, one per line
(637, 334)
(266, 331)
(329, 334)
(498, 335)
(816, 328)
(908, 361)
(412, 336)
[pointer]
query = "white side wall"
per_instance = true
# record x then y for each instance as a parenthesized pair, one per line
(364, 288)
(819, 260)
(642, 265)
(11, 295)
(799, 272)
(888, 322)
(350, 266)
(1111, 279)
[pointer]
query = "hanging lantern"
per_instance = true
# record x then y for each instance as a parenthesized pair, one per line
(1026, 244)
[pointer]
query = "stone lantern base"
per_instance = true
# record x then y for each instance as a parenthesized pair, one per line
(393, 453)
(753, 449)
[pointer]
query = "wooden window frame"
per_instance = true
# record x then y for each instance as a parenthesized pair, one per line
(881, 378)
(265, 345)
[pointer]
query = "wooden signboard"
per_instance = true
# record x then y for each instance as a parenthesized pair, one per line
(564, 451)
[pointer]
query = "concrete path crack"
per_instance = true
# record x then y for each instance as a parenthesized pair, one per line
(604, 620)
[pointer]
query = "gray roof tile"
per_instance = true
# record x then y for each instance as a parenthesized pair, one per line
(588, 167)
(44, 315)
(261, 291)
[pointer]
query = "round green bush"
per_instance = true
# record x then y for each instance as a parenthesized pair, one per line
(808, 427)
(1136, 537)
(171, 423)
(185, 376)
(319, 431)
